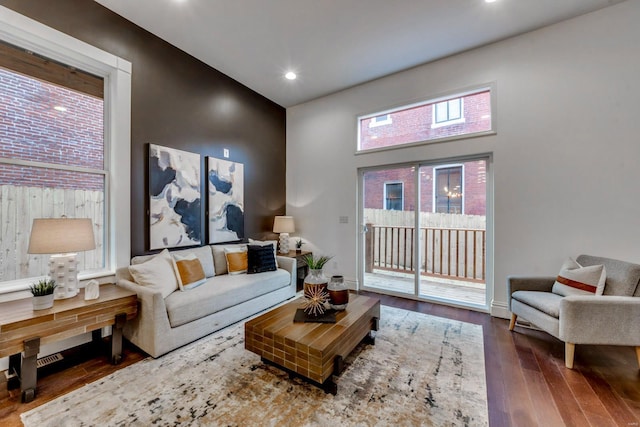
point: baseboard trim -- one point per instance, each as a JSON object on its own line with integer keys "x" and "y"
{"x": 500, "y": 309}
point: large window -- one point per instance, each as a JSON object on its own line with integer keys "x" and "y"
{"x": 455, "y": 116}
{"x": 53, "y": 149}
{"x": 448, "y": 190}
{"x": 64, "y": 146}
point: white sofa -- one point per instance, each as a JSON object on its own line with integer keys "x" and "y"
{"x": 164, "y": 324}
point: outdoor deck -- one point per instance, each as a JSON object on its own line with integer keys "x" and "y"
{"x": 467, "y": 293}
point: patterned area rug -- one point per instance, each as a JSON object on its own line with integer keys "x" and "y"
{"x": 422, "y": 370}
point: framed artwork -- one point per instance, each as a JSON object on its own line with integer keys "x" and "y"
{"x": 175, "y": 198}
{"x": 225, "y": 182}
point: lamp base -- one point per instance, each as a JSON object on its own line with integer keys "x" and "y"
{"x": 63, "y": 269}
{"x": 284, "y": 243}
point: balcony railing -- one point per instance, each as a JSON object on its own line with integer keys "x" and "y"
{"x": 454, "y": 253}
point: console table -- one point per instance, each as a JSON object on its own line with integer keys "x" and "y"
{"x": 23, "y": 330}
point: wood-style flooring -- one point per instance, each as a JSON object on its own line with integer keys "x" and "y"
{"x": 527, "y": 382}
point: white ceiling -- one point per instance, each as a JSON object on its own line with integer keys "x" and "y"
{"x": 335, "y": 44}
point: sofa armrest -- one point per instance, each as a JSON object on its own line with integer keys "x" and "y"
{"x": 608, "y": 320}
{"x": 529, "y": 283}
{"x": 289, "y": 264}
{"x": 151, "y": 323}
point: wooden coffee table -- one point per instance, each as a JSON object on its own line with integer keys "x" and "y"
{"x": 314, "y": 351}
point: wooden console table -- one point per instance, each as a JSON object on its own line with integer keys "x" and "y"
{"x": 23, "y": 330}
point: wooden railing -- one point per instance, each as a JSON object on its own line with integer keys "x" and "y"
{"x": 455, "y": 253}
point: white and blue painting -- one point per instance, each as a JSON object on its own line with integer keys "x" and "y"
{"x": 226, "y": 200}
{"x": 175, "y": 198}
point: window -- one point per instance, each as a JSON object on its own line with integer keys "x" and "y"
{"x": 384, "y": 119}
{"x": 53, "y": 160}
{"x": 448, "y": 112}
{"x": 448, "y": 192}
{"x": 454, "y": 116}
{"x": 394, "y": 196}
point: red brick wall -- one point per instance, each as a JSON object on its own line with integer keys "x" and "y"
{"x": 415, "y": 124}
{"x": 31, "y": 129}
{"x": 474, "y": 190}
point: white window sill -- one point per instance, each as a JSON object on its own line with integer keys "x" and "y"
{"x": 20, "y": 285}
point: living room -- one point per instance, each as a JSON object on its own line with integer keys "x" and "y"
{"x": 561, "y": 172}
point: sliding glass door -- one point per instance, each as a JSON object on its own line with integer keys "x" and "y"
{"x": 424, "y": 231}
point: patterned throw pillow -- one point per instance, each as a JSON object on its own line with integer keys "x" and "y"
{"x": 189, "y": 271}
{"x": 260, "y": 259}
{"x": 575, "y": 279}
{"x": 236, "y": 259}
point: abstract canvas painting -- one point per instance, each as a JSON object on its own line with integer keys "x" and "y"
{"x": 175, "y": 198}
{"x": 226, "y": 200}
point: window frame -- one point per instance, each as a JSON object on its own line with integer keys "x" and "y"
{"x": 386, "y": 183}
{"x": 437, "y": 124}
{"x": 375, "y": 122}
{"x": 435, "y": 186}
{"x": 491, "y": 87}
{"x": 24, "y": 32}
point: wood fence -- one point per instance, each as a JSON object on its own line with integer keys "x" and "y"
{"x": 20, "y": 205}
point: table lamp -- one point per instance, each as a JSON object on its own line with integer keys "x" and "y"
{"x": 63, "y": 238}
{"x": 283, "y": 225}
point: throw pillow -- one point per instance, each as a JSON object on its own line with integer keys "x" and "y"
{"x": 189, "y": 271}
{"x": 260, "y": 259}
{"x": 274, "y": 243}
{"x": 575, "y": 279}
{"x": 236, "y": 260}
{"x": 157, "y": 273}
{"x": 220, "y": 258}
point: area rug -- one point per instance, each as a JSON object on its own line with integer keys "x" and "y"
{"x": 422, "y": 371}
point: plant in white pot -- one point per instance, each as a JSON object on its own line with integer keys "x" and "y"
{"x": 43, "y": 293}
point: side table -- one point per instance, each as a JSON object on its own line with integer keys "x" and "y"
{"x": 302, "y": 267}
{"x": 23, "y": 330}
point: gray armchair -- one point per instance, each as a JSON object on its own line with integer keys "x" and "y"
{"x": 610, "y": 319}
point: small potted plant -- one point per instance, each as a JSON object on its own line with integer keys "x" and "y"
{"x": 299, "y": 244}
{"x": 43, "y": 293}
{"x": 315, "y": 278}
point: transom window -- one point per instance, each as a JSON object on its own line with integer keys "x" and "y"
{"x": 456, "y": 115}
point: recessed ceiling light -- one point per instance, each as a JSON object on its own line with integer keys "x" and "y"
{"x": 490, "y": 1}
{"x": 59, "y": 108}
{"x": 290, "y": 75}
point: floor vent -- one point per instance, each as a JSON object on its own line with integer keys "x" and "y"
{"x": 48, "y": 360}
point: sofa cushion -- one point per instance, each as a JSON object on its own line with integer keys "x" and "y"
{"x": 574, "y": 279}
{"x": 260, "y": 259}
{"x": 546, "y": 302}
{"x": 236, "y": 260}
{"x": 221, "y": 292}
{"x": 157, "y": 273}
{"x": 273, "y": 243}
{"x": 219, "y": 258}
{"x": 189, "y": 271}
{"x": 203, "y": 253}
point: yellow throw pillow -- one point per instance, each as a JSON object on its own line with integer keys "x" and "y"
{"x": 189, "y": 271}
{"x": 237, "y": 261}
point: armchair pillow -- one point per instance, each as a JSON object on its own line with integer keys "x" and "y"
{"x": 575, "y": 279}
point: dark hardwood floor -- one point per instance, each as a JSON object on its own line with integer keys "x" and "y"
{"x": 527, "y": 382}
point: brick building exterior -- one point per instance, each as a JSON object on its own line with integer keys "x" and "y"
{"x": 473, "y": 193}
{"x": 32, "y": 129}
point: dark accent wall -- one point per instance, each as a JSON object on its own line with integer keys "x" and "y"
{"x": 180, "y": 102}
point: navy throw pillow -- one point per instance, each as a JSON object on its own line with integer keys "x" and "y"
{"x": 260, "y": 259}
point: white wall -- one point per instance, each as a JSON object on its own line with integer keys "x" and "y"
{"x": 565, "y": 158}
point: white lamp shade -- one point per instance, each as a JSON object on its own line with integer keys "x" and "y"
{"x": 61, "y": 235}
{"x": 283, "y": 224}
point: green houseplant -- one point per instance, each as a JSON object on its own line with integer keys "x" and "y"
{"x": 43, "y": 293}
